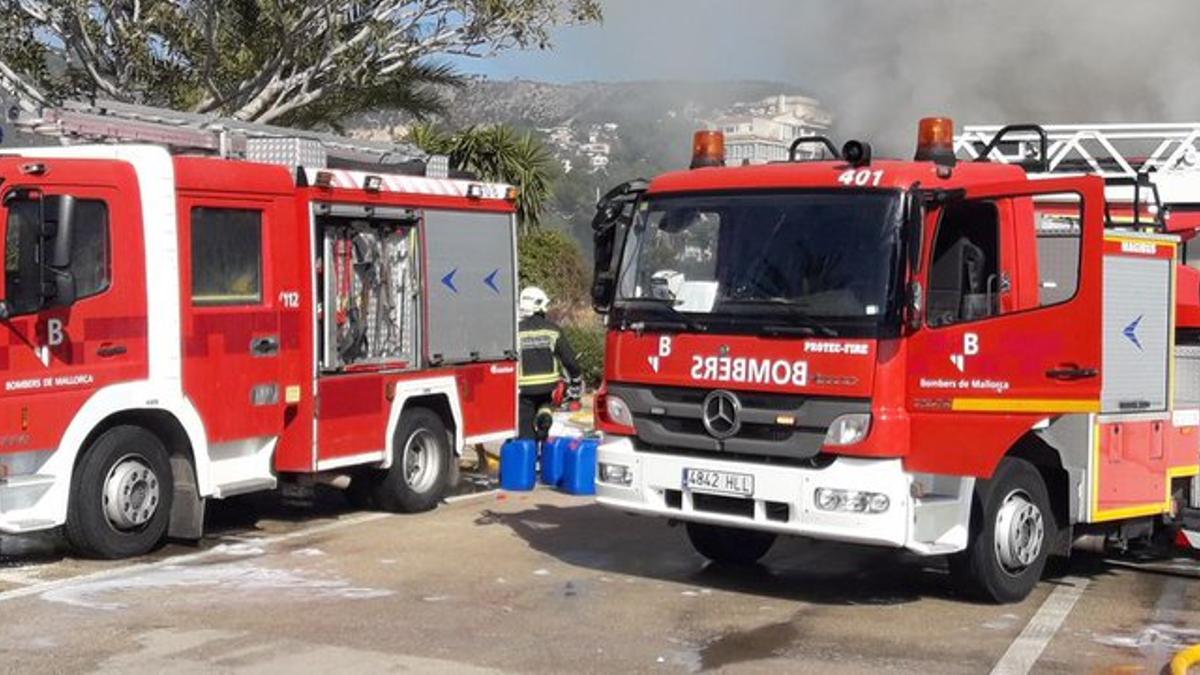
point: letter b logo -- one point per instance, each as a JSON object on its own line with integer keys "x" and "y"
{"x": 970, "y": 344}
{"x": 54, "y": 332}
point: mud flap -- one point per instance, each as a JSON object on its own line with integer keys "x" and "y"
{"x": 187, "y": 506}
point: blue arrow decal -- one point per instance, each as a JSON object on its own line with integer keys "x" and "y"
{"x": 490, "y": 280}
{"x": 1131, "y": 332}
{"x": 448, "y": 280}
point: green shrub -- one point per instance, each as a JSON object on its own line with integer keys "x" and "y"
{"x": 551, "y": 260}
{"x": 587, "y": 339}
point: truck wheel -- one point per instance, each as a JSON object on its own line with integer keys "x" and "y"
{"x": 121, "y": 495}
{"x": 420, "y": 467}
{"x": 1011, "y": 531}
{"x": 729, "y": 545}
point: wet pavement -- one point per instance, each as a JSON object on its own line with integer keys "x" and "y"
{"x": 543, "y": 582}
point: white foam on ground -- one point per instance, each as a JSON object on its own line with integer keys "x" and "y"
{"x": 237, "y": 581}
{"x": 1151, "y": 636}
{"x": 239, "y": 549}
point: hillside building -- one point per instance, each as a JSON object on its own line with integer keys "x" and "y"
{"x": 762, "y": 131}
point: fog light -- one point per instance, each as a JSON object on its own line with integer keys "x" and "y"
{"x": 615, "y": 474}
{"x": 856, "y": 501}
{"x": 851, "y": 501}
{"x": 827, "y": 500}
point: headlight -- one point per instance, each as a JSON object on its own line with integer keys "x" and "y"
{"x": 851, "y": 501}
{"x": 618, "y": 410}
{"x": 848, "y": 429}
{"x": 615, "y": 474}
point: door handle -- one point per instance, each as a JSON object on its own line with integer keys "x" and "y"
{"x": 110, "y": 349}
{"x": 265, "y": 346}
{"x": 1066, "y": 372}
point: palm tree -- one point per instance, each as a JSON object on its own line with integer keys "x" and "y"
{"x": 497, "y": 153}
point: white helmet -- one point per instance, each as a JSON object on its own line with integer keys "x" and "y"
{"x": 533, "y": 301}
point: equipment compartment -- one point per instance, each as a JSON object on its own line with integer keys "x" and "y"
{"x": 370, "y": 289}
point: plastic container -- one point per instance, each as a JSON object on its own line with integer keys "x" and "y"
{"x": 553, "y": 452}
{"x": 518, "y": 465}
{"x": 579, "y": 467}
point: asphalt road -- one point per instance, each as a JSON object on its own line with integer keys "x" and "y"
{"x": 542, "y": 582}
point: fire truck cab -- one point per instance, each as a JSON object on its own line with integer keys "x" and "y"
{"x": 979, "y": 359}
{"x": 176, "y": 328}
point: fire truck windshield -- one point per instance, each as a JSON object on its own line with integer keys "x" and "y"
{"x": 826, "y": 261}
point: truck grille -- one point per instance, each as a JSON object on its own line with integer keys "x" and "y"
{"x": 669, "y": 420}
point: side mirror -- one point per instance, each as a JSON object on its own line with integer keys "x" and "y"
{"x": 915, "y": 305}
{"x": 603, "y": 290}
{"x": 59, "y": 289}
{"x": 58, "y": 233}
{"x": 614, "y": 213}
{"x": 37, "y": 255}
{"x": 914, "y": 228}
{"x": 58, "y": 226}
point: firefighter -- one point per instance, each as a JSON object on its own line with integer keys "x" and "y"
{"x": 546, "y": 360}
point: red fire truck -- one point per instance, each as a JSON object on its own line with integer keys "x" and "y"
{"x": 984, "y": 360}
{"x": 180, "y": 327}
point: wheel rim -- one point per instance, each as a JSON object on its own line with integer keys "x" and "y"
{"x": 421, "y": 460}
{"x": 1020, "y": 532}
{"x": 131, "y": 495}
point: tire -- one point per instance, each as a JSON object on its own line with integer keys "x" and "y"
{"x": 420, "y": 471}
{"x": 1013, "y": 503}
{"x": 729, "y": 545}
{"x": 121, "y": 494}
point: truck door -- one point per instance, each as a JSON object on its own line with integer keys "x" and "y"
{"x": 241, "y": 337}
{"x": 995, "y": 353}
{"x": 53, "y": 359}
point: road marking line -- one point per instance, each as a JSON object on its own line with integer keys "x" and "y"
{"x": 37, "y": 589}
{"x": 1024, "y": 652}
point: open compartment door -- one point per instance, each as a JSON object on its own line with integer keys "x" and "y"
{"x": 470, "y": 313}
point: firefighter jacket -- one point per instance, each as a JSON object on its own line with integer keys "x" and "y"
{"x": 546, "y": 356}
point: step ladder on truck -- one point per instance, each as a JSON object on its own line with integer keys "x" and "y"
{"x": 196, "y": 308}
{"x": 984, "y": 352}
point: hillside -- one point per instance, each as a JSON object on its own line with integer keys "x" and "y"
{"x": 644, "y": 128}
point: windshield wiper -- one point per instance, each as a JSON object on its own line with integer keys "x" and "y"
{"x": 807, "y": 324}
{"x": 681, "y": 320}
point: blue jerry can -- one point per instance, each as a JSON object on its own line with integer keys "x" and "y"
{"x": 553, "y": 452}
{"x": 518, "y": 464}
{"x": 579, "y": 467}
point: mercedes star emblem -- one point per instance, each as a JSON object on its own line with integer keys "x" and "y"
{"x": 721, "y": 414}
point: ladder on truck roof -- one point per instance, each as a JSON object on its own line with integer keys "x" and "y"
{"x": 1110, "y": 150}
{"x": 1138, "y": 161}
{"x": 112, "y": 121}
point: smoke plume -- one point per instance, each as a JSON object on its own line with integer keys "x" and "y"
{"x": 879, "y": 65}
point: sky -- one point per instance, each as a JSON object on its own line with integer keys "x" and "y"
{"x": 880, "y": 65}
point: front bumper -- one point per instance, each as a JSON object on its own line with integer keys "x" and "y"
{"x": 784, "y": 499}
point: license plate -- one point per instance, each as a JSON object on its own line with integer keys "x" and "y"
{"x": 720, "y": 482}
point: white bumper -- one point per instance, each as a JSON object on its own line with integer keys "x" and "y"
{"x": 932, "y": 525}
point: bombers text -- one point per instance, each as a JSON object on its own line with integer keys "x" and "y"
{"x": 745, "y": 370}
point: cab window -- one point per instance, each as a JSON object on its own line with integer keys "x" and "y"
{"x": 226, "y": 256}
{"x": 964, "y": 276}
{"x": 91, "y": 250}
